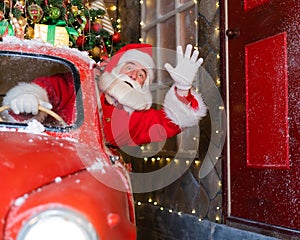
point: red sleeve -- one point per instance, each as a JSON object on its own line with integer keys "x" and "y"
{"x": 61, "y": 94}
{"x": 151, "y": 126}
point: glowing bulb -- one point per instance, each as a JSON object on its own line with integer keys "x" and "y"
{"x": 113, "y": 8}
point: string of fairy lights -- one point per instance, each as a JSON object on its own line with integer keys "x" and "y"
{"x": 160, "y": 161}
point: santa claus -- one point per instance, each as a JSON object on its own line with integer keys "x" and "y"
{"x": 126, "y": 100}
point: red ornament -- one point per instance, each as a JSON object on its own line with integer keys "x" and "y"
{"x": 87, "y": 26}
{"x": 116, "y": 37}
{"x": 80, "y": 41}
{"x": 96, "y": 27}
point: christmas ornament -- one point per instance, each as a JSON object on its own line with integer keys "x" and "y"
{"x": 29, "y": 32}
{"x": 99, "y": 4}
{"x": 80, "y": 41}
{"x": 116, "y": 38}
{"x": 35, "y": 12}
{"x": 83, "y": 22}
{"x": 20, "y": 5}
{"x": 87, "y": 26}
{"x": 96, "y": 52}
{"x": 96, "y": 26}
{"x": 75, "y": 11}
{"x": 54, "y": 13}
{"x": 19, "y": 26}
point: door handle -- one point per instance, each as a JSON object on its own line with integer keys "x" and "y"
{"x": 233, "y": 33}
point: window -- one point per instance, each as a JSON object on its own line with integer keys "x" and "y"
{"x": 166, "y": 24}
{"x": 25, "y": 69}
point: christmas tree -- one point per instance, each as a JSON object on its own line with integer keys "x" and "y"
{"x": 87, "y": 25}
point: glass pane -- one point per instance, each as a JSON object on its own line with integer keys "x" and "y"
{"x": 166, "y": 6}
{"x": 168, "y": 33}
{"x": 149, "y": 11}
{"x": 188, "y": 27}
{"x": 52, "y": 75}
{"x": 150, "y": 36}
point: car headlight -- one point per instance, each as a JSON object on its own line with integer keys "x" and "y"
{"x": 58, "y": 224}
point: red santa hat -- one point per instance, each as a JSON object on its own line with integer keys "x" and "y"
{"x": 140, "y": 52}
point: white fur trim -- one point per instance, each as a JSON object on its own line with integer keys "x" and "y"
{"x": 20, "y": 89}
{"x": 182, "y": 114}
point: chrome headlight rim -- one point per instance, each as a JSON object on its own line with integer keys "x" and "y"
{"x": 67, "y": 214}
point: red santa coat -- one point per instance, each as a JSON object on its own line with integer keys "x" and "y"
{"x": 139, "y": 127}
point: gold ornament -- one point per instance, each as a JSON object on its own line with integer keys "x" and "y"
{"x": 96, "y": 52}
{"x": 29, "y": 33}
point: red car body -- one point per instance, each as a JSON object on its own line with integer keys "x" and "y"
{"x": 62, "y": 172}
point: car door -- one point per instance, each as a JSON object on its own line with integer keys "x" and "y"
{"x": 263, "y": 69}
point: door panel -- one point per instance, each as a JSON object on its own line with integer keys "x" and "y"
{"x": 264, "y": 111}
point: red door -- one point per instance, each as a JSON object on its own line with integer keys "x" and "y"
{"x": 263, "y": 38}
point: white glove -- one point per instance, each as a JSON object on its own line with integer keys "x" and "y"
{"x": 27, "y": 103}
{"x": 187, "y": 66}
{"x": 26, "y": 97}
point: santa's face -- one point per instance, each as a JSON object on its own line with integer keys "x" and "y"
{"x": 135, "y": 71}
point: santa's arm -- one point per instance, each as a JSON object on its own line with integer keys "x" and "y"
{"x": 184, "y": 113}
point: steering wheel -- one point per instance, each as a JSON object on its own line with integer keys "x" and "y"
{"x": 43, "y": 109}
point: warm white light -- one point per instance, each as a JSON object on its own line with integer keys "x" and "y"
{"x": 197, "y": 162}
{"x": 139, "y": 203}
{"x": 113, "y": 8}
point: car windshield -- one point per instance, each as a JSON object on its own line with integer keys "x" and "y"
{"x": 25, "y": 76}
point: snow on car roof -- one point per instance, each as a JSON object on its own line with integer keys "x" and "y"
{"x": 34, "y": 43}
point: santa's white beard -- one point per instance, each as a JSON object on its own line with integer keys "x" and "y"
{"x": 146, "y": 94}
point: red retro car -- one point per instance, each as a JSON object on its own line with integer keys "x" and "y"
{"x": 58, "y": 179}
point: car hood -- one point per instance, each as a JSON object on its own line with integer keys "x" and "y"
{"x": 29, "y": 161}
